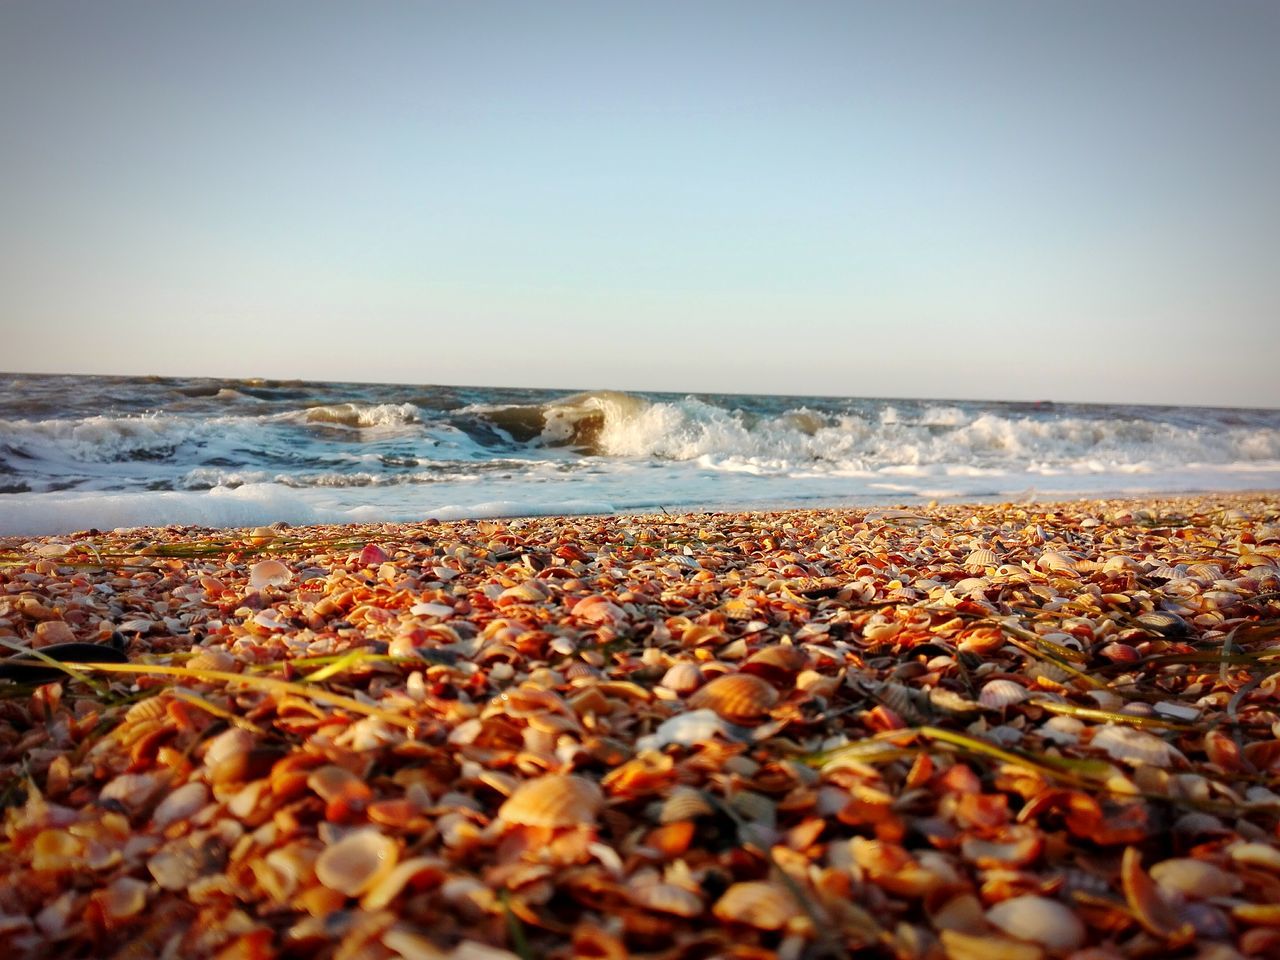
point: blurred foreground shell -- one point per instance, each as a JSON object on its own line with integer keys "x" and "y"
{"x": 737, "y": 697}
{"x": 757, "y": 904}
{"x": 553, "y": 800}
{"x": 1040, "y": 920}
{"x": 357, "y": 861}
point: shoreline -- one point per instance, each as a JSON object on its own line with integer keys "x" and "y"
{"x": 946, "y": 729}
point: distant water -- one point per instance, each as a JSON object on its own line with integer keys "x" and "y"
{"x": 79, "y": 452}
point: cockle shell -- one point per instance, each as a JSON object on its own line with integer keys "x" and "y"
{"x": 553, "y": 800}
{"x": 269, "y": 573}
{"x": 683, "y": 677}
{"x": 684, "y": 803}
{"x": 998, "y": 694}
{"x": 737, "y": 697}
{"x": 598, "y": 610}
{"x": 1040, "y": 920}
{"x": 1164, "y": 623}
{"x": 357, "y": 861}
{"x": 982, "y": 558}
{"x": 758, "y": 904}
{"x": 778, "y": 659}
{"x": 1134, "y": 746}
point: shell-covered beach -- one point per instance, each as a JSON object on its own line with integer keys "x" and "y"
{"x": 966, "y": 731}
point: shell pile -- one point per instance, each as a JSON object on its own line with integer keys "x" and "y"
{"x": 962, "y": 731}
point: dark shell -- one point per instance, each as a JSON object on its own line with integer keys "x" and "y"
{"x": 1164, "y": 623}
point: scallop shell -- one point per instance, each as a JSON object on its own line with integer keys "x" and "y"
{"x": 949, "y": 701}
{"x": 683, "y": 677}
{"x": 553, "y": 800}
{"x": 668, "y": 898}
{"x": 357, "y": 862}
{"x": 757, "y": 904}
{"x": 998, "y": 694}
{"x": 1040, "y": 920}
{"x": 737, "y": 697}
{"x": 269, "y": 573}
{"x": 1134, "y": 746}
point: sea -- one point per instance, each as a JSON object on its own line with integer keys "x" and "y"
{"x": 79, "y": 452}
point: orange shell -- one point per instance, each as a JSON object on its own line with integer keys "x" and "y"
{"x": 758, "y": 904}
{"x": 736, "y": 697}
{"x": 553, "y": 800}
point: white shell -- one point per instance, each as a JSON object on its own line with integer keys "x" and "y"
{"x": 1195, "y": 879}
{"x": 686, "y": 729}
{"x": 269, "y": 573}
{"x": 181, "y": 804}
{"x": 1134, "y": 746}
{"x": 357, "y": 861}
{"x": 1040, "y": 920}
{"x": 998, "y": 694}
{"x": 683, "y": 677}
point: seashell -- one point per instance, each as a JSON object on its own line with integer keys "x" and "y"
{"x": 1256, "y": 855}
{"x": 390, "y": 884}
{"x": 998, "y": 694}
{"x": 1056, "y": 562}
{"x": 598, "y": 610}
{"x": 951, "y": 702}
{"x": 269, "y": 619}
{"x": 553, "y": 800}
{"x": 982, "y": 558}
{"x": 1148, "y": 906}
{"x": 227, "y": 745}
{"x": 684, "y": 803}
{"x": 431, "y": 610}
{"x": 1208, "y": 572}
{"x": 959, "y": 945}
{"x": 757, "y": 904}
{"x": 1015, "y": 847}
{"x": 212, "y": 659}
{"x": 776, "y": 659}
{"x": 686, "y": 730}
{"x": 269, "y": 573}
{"x": 1178, "y": 711}
{"x": 1134, "y": 746}
{"x": 1120, "y": 653}
{"x": 373, "y": 555}
{"x": 1121, "y": 564}
{"x": 1039, "y": 920}
{"x": 124, "y": 897}
{"x": 1164, "y": 623}
{"x": 1062, "y": 730}
{"x": 181, "y": 804}
{"x": 737, "y": 697}
{"x": 683, "y": 677}
{"x": 530, "y": 591}
{"x": 668, "y": 898}
{"x": 1195, "y": 879}
{"x": 134, "y": 790}
{"x": 357, "y": 862}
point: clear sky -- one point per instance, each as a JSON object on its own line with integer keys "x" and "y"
{"x": 1016, "y": 200}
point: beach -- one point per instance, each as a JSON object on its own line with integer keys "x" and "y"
{"x": 965, "y": 730}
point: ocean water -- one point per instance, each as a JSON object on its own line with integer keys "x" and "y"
{"x": 80, "y": 452}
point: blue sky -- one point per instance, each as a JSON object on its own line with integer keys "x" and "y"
{"x": 1073, "y": 201}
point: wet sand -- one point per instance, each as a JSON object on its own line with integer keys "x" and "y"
{"x": 964, "y": 731}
